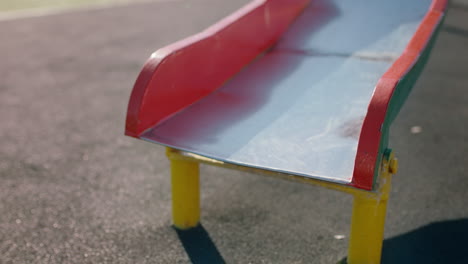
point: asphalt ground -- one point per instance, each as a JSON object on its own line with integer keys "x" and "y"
{"x": 17, "y": 5}
{"x": 73, "y": 189}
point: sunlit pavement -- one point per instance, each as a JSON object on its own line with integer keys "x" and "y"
{"x": 73, "y": 189}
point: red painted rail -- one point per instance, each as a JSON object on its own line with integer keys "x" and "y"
{"x": 186, "y": 71}
{"x": 371, "y": 134}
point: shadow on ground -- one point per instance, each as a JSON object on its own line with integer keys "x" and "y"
{"x": 199, "y": 246}
{"x": 440, "y": 242}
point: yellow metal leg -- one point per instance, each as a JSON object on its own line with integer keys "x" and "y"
{"x": 367, "y": 230}
{"x": 368, "y": 220}
{"x": 185, "y": 191}
{"x": 369, "y": 209}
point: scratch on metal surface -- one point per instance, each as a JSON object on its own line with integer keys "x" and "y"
{"x": 330, "y": 124}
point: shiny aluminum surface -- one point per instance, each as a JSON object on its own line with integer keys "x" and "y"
{"x": 299, "y": 108}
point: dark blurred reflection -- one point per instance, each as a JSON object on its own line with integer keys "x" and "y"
{"x": 456, "y": 30}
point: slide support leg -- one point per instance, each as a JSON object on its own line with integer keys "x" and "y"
{"x": 368, "y": 219}
{"x": 185, "y": 182}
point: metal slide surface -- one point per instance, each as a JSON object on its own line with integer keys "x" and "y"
{"x": 299, "y": 109}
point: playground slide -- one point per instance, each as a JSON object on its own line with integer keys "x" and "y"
{"x": 298, "y": 87}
